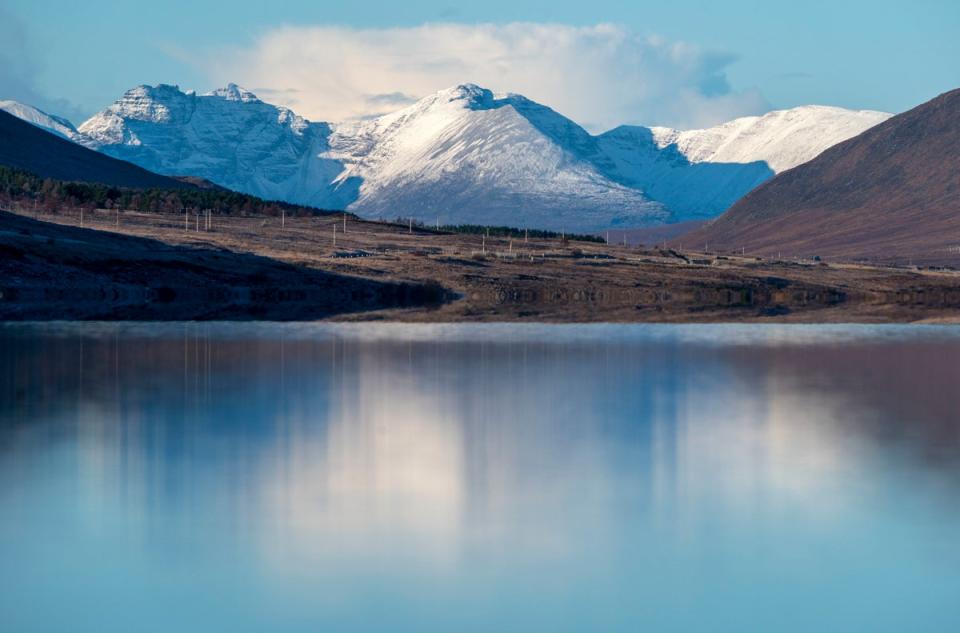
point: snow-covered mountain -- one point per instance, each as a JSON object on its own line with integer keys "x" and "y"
{"x": 698, "y": 174}
{"x": 228, "y": 136}
{"x": 465, "y": 155}
{"x": 49, "y": 122}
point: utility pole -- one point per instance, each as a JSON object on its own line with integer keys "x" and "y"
{"x": 410, "y": 226}
{"x": 344, "y": 223}
{"x": 283, "y": 218}
{"x": 334, "y": 234}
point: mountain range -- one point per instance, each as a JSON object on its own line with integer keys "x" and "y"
{"x": 462, "y": 155}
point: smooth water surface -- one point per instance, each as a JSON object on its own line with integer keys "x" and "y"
{"x": 259, "y": 477}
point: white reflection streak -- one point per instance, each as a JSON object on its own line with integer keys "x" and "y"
{"x": 737, "y": 450}
{"x": 387, "y": 472}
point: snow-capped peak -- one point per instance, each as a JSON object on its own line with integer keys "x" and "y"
{"x": 470, "y": 155}
{"x": 233, "y": 92}
{"x": 162, "y": 103}
{"x": 472, "y": 96}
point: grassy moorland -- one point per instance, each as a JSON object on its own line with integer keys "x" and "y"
{"x": 323, "y": 266}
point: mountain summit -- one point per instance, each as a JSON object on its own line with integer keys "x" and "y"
{"x": 233, "y": 92}
{"x": 464, "y": 155}
{"x": 468, "y": 155}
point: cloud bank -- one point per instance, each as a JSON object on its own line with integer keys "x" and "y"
{"x": 600, "y": 76}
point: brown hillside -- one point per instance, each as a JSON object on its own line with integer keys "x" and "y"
{"x": 891, "y": 194}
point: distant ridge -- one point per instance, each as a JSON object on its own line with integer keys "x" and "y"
{"x": 891, "y": 194}
{"x": 49, "y": 122}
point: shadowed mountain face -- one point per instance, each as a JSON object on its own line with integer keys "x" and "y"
{"x": 28, "y": 147}
{"x": 693, "y": 191}
{"x": 889, "y": 194}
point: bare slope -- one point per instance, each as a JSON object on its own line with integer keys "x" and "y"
{"x": 51, "y": 271}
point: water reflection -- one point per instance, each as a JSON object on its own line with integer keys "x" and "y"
{"x": 422, "y": 479}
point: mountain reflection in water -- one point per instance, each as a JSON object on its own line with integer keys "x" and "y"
{"x": 354, "y": 477}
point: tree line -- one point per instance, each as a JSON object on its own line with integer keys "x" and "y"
{"x": 509, "y": 231}
{"x": 50, "y": 195}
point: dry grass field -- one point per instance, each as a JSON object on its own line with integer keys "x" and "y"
{"x": 504, "y": 279}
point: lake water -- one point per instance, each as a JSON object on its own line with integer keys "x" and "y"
{"x": 261, "y": 477}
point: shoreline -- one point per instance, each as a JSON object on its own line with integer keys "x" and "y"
{"x": 125, "y": 267}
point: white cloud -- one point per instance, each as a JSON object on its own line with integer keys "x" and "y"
{"x": 600, "y": 76}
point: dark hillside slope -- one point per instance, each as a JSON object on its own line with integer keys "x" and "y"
{"x": 51, "y": 271}
{"x": 25, "y": 146}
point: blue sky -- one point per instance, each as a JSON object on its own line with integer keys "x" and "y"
{"x": 76, "y": 57}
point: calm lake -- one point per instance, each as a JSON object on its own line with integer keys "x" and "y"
{"x": 325, "y": 477}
